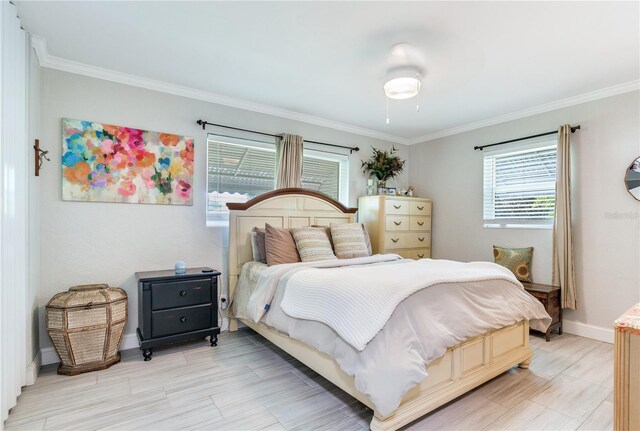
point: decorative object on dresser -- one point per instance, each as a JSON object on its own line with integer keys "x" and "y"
{"x": 86, "y": 325}
{"x": 626, "y": 392}
{"x": 383, "y": 165}
{"x": 174, "y": 308}
{"x": 400, "y": 225}
{"x": 549, "y": 296}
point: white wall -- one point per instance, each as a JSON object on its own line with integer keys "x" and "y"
{"x": 85, "y": 242}
{"x": 606, "y": 217}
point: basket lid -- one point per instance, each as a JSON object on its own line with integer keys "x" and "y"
{"x": 87, "y": 294}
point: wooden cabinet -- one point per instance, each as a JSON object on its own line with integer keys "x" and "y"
{"x": 549, "y": 296}
{"x": 174, "y": 308}
{"x": 400, "y": 225}
{"x": 626, "y": 392}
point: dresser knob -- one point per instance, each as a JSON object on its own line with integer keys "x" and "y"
{"x": 421, "y": 256}
{"x": 397, "y": 223}
{"x": 183, "y": 293}
{"x": 397, "y": 206}
{"x": 183, "y": 319}
{"x": 395, "y": 239}
{"x": 420, "y": 208}
{"x": 421, "y": 239}
{"x": 420, "y": 223}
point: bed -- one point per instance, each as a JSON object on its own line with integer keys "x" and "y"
{"x": 459, "y": 369}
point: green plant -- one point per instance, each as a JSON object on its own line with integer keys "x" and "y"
{"x": 383, "y": 164}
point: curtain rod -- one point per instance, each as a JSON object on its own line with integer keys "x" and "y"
{"x": 206, "y": 123}
{"x": 481, "y": 147}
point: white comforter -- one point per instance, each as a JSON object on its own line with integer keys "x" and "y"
{"x": 420, "y": 329}
{"x": 357, "y": 303}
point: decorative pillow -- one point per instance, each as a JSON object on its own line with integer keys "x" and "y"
{"x": 327, "y": 229}
{"x": 312, "y": 243}
{"x": 366, "y": 237}
{"x": 279, "y": 246}
{"x": 518, "y": 260}
{"x": 349, "y": 240}
{"x": 259, "y": 234}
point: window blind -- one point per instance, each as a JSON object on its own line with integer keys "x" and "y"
{"x": 239, "y": 170}
{"x": 519, "y": 186}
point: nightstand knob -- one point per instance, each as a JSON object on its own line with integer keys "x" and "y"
{"x": 397, "y": 223}
{"x": 420, "y": 223}
{"x": 420, "y": 208}
{"x": 397, "y": 206}
{"x": 421, "y": 256}
{"x": 395, "y": 239}
{"x": 421, "y": 239}
{"x": 183, "y": 293}
{"x": 183, "y": 319}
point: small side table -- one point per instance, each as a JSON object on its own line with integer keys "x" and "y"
{"x": 174, "y": 308}
{"x": 549, "y": 296}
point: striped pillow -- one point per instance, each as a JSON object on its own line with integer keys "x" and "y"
{"x": 312, "y": 243}
{"x": 349, "y": 240}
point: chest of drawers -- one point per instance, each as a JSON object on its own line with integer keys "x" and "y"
{"x": 174, "y": 308}
{"x": 400, "y": 225}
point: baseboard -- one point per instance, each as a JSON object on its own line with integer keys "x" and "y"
{"x": 34, "y": 369}
{"x": 49, "y": 355}
{"x": 588, "y": 331}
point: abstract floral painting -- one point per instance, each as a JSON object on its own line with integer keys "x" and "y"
{"x": 106, "y": 163}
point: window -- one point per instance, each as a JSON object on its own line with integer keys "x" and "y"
{"x": 241, "y": 169}
{"x": 520, "y": 186}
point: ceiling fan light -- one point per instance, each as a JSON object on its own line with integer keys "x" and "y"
{"x": 402, "y": 88}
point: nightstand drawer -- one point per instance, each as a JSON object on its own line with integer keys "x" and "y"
{"x": 180, "y": 293}
{"x": 179, "y": 320}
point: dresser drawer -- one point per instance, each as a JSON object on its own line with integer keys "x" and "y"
{"x": 407, "y": 240}
{"x": 420, "y": 208}
{"x": 396, "y": 223}
{"x": 420, "y": 223}
{"x": 418, "y": 239}
{"x": 414, "y": 253}
{"x": 179, "y": 320}
{"x": 396, "y": 206}
{"x": 180, "y": 293}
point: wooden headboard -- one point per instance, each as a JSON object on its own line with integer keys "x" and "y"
{"x": 285, "y": 208}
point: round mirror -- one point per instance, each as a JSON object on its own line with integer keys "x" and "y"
{"x": 632, "y": 178}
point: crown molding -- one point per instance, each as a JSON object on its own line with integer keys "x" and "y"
{"x": 614, "y": 90}
{"x": 47, "y": 60}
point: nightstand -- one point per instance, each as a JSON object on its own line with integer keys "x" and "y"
{"x": 549, "y": 296}
{"x": 174, "y": 308}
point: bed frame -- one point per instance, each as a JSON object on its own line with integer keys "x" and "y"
{"x": 462, "y": 368}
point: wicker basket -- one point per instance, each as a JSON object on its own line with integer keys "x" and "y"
{"x": 86, "y": 325}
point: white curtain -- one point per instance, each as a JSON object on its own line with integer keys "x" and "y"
{"x": 289, "y": 150}
{"x": 563, "y": 268}
{"x": 14, "y": 178}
